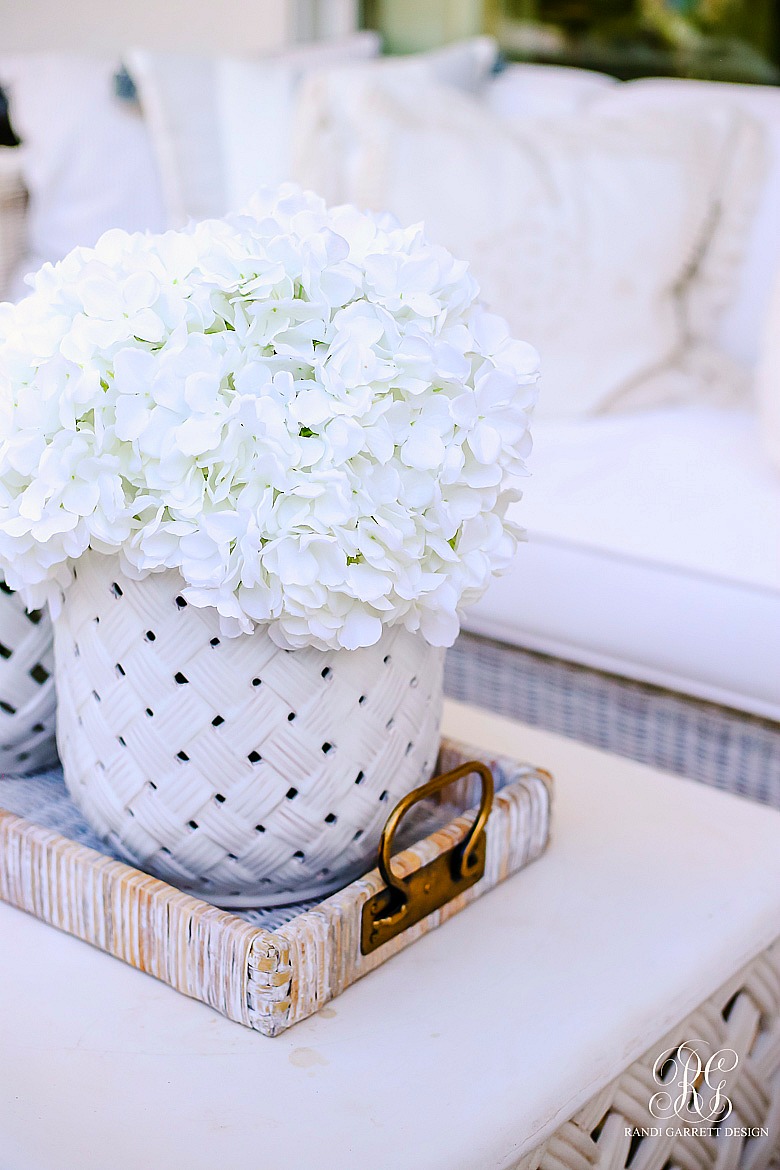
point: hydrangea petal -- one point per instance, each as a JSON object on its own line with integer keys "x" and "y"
{"x": 306, "y": 412}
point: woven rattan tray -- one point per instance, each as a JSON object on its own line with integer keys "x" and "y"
{"x": 264, "y": 969}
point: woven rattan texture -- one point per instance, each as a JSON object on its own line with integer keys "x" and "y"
{"x": 297, "y": 968}
{"x": 736, "y": 752}
{"x": 27, "y": 698}
{"x": 264, "y": 977}
{"x": 744, "y": 1016}
{"x": 44, "y": 800}
{"x": 227, "y": 765}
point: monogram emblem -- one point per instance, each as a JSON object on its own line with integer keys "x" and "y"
{"x": 693, "y": 1083}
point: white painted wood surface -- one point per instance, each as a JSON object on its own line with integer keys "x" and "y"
{"x": 460, "y": 1054}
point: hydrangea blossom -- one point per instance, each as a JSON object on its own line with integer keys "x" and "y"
{"x": 307, "y": 412}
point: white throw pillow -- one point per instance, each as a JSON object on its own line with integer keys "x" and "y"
{"x": 256, "y": 103}
{"x": 221, "y": 126}
{"x": 767, "y": 384}
{"x": 177, "y": 93}
{"x": 256, "y": 149}
{"x": 586, "y": 231}
{"x": 524, "y": 91}
{"x": 87, "y": 160}
{"x": 756, "y": 249}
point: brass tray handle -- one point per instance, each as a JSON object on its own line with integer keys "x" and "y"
{"x": 406, "y": 901}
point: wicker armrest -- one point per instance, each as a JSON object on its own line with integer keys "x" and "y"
{"x": 13, "y": 215}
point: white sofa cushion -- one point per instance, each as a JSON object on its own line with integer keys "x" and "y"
{"x": 654, "y": 552}
{"x": 589, "y": 232}
{"x": 87, "y": 160}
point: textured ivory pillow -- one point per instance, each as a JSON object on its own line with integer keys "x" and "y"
{"x": 533, "y": 91}
{"x": 586, "y": 231}
{"x": 757, "y": 248}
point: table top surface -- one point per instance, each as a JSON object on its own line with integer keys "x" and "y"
{"x": 463, "y": 1051}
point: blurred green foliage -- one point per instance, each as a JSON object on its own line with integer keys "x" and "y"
{"x": 726, "y": 40}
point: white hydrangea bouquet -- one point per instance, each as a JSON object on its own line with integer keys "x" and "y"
{"x": 301, "y": 422}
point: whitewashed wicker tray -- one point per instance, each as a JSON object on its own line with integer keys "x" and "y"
{"x": 265, "y": 969}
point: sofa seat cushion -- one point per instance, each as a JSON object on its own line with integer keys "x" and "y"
{"x": 654, "y": 553}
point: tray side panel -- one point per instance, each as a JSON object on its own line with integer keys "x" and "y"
{"x": 197, "y": 949}
{"x": 316, "y": 956}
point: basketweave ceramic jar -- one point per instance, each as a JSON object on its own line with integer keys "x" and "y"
{"x": 27, "y": 695}
{"x": 248, "y": 774}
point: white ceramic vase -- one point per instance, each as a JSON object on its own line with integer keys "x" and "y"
{"x": 238, "y": 771}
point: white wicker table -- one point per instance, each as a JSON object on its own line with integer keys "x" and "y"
{"x": 469, "y": 1051}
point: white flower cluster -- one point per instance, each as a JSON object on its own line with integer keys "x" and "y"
{"x": 305, "y": 411}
